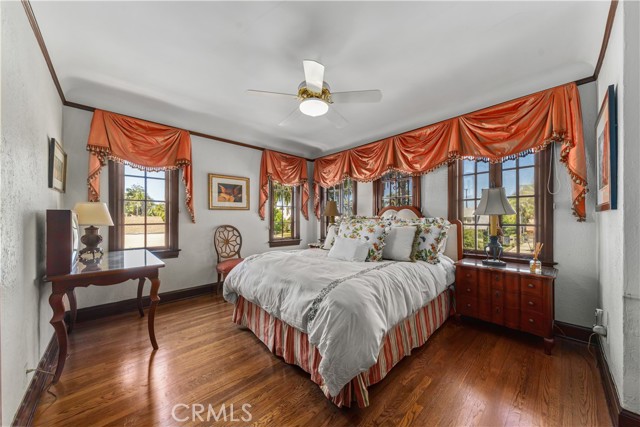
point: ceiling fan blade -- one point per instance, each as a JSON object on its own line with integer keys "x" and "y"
{"x": 356, "y": 96}
{"x": 314, "y": 75}
{"x": 272, "y": 94}
{"x": 336, "y": 118}
{"x": 295, "y": 115}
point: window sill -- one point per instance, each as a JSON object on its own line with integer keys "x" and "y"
{"x": 284, "y": 242}
{"x": 524, "y": 259}
{"x": 166, "y": 253}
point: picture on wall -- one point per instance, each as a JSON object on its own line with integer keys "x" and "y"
{"x": 607, "y": 153}
{"x": 228, "y": 192}
{"x": 57, "y": 166}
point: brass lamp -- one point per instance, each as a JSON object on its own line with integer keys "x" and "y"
{"x": 331, "y": 211}
{"x": 493, "y": 203}
{"x": 93, "y": 214}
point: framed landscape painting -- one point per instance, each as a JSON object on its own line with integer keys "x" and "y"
{"x": 228, "y": 192}
{"x": 57, "y": 166}
{"x": 607, "y": 153}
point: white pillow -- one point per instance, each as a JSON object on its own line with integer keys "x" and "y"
{"x": 399, "y": 243}
{"x": 349, "y": 249}
{"x": 332, "y": 232}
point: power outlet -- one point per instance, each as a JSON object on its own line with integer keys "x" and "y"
{"x": 598, "y": 327}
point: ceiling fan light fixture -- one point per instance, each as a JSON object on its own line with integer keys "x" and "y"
{"x": 314, "y": 107}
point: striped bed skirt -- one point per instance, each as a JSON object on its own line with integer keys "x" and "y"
{"x": 293, "y": 345}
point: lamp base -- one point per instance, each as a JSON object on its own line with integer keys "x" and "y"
{"x": 91, "y": 239}
{"x": 494, "y": 262}
{"x": 493, "y": 251}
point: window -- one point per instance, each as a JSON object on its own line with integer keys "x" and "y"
{"x": 345, "y": 195}
{"x": 396, "y": 189}
{"x": 525, "y": 183}
{"x": 285, "y": 215}
{"x": 144, "y": 208}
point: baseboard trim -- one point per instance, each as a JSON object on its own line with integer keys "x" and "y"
{"x": 620, "y": 417}
{"x": 104, "y": 310}
{"x": 26, "y": 411}
{"x": 573, "y": 332}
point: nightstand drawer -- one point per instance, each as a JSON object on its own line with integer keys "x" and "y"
{"x": 533, "y": 323}
{"x": 467, "y": 289}
{"x": 466, "y": 306}
{"x": 466, "y": 276}
{"x": 511, "y": 300}
{"x": 512, "y": 318}
{"x": 531, "y": 286}
{"x": 497, "y": 281}
{"x": 531, "y": 303}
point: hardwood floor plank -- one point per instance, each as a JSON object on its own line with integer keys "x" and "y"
{"x": 466, "y": 374}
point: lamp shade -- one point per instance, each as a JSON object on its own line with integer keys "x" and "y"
{"x": 93, "y": 213}
{"x": 331, "y": 209}
{"x": 494, "y": 202}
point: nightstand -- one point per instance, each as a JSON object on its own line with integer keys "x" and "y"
{"x": 511, "y": 296}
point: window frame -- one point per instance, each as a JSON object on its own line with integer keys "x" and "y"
{"x": 543, "y": 201}
{"x": 275, "y": 242}
{"x": 116, "y": 208}
{"x": 324, "y": 221}
{"x": 378, "y": 190}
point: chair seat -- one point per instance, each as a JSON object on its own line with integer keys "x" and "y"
{"x": 224, "y": 267}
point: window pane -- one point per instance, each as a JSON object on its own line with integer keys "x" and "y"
{"x": 133, "y": 236}
{"x": 526, "y": 183}
{"x": 509, "y": 242}
{"x": 483, "y": 182}
{"x": 469, "y": 238}
{"x": 468, "y": 187}
{"x": 156, "y": 212}
{"x": 482, "y": 166}
{"x": 130, "y": 170}
{"x": 528, "y": 160}
{"x": 511, "y": 219}
{"x": 155, "y": 189}
{"x": 134, "y": 212}
{"x": 157, "y": 174}
{"x": 134, "y": 188}
{"x": 527, "y": 210}
{"x": 508, "y": 164}
{"x": 156, "y": 235}
{"x": 509, "y": 182}
{"x": 469, "y": 206}
{"x": 483, "y": 237}
{"x": 468, "y": 166}
{"x": 527, "y": 239}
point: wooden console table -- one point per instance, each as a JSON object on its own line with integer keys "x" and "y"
{"x": 113, "y": 268}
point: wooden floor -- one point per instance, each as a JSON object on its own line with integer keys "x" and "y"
{"x": 466, "y": 374}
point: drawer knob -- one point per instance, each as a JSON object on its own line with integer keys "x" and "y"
{"x": 530, "y": 320}
{"x": 497, "y": 294}
{"x": 468, "y": 274}
{"x": 530, "y": 303}
{"x": 530, "y": 285}
{"x": 497, "y": 278}
{"x": 469, "y": 305}
{"x": 498, "y": 310}
{"x": 468, "y": 289}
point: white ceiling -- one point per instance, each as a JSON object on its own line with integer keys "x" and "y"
{"x": 188, "y": 64}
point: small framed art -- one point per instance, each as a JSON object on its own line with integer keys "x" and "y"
{"x": 607, "y": 153}
{"x": 57, "y": 166}
{"x": 228, "y": 192}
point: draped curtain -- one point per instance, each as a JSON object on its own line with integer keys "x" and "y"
{"x": 146, "y": 145}
{"x": 524, "y": 125}
{"x": 287, "y": 170}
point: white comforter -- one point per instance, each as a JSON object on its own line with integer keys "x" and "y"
{"x": 352, "y": 305}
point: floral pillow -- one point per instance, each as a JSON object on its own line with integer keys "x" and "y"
{"x": 372, "y": 231}
{"x": 431, "y": 239}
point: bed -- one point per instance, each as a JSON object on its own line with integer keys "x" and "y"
{"x": 345, "y": 323}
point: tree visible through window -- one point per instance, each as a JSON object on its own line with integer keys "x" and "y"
{"x": 396, "y": 189}
{"x": 285, "y": 214}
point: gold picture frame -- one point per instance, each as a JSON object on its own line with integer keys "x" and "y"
{"x": 57, "y": 166}
{"x": 228, "y": 192}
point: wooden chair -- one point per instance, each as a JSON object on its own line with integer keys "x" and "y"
{"x": 228, "y": 241}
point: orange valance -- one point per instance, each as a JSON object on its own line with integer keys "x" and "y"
{"x": 494, "y": 134}
{"x": 285, "y": 169}
{"x": 146, "y": 145}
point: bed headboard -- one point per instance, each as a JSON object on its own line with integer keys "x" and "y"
{"x": 454, "y": 236}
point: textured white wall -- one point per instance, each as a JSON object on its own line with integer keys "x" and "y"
{"x": 31, "y": 114}
{"x": 196, "y": 264}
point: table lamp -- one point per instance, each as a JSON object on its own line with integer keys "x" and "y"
{"x": 331, "y": 211}
{"x": 493, "y": 203}
{"x": 93, "y": 214}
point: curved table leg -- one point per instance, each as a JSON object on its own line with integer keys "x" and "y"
{"x": 73, "y": 305}
{"x": 140, "y": 289}
{"x": 57, "y": 321}
{"x": 155, "y": 285}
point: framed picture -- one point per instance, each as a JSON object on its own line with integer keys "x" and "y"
{"x": 228, "y": 192}
{"x": 57, "y": 166}
{"x": 607, "y": 155}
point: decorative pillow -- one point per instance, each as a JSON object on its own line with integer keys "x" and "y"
{"x": 398, "y": 244}
{"x": 349, "y": 249}
{"x": 331, "y": 236}
{"x": 431, "y": 239}
{"x": 372, "y": 231}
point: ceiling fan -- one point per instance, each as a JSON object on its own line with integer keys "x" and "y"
{"x": 315, "y": 97}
